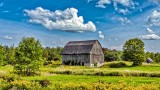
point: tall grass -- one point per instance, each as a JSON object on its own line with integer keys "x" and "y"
{"x": 99, "y": 85}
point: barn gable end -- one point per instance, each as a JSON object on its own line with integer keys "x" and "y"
{"x": 82, "y": 53}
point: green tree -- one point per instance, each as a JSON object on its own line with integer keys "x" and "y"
{"x": 157, "y": 57}
{"x": 133, "y": 50}
{"x": 112, "y": 55}
{"x": 1, "y": 55}
{"x": 9, "y": 55}
{"x": 28, "y": 56}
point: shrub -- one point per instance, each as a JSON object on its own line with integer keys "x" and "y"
{"x": 2, "y": 74}
{"x": 47, "y": 63}
{"x": 11, "y": 78}
{"x": 44, "y": 83}
{"x": 115, "y": 65}
{"x": 20, "y": 85}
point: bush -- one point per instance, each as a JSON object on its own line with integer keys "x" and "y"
{"x": 44, "y": 83}
{"x": 10, "y": 78}
{"x": 20, "y": 85}
{"x": 47, "y": 63}
{"x": 2, "y": 74}
{"x": 115, "y": 65}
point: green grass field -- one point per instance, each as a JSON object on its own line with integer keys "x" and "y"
{"x": 135, "y": 76}
{"x": 84, "y": 73}
{"x": 84, "y": 78}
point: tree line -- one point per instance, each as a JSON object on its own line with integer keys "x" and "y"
{"x": 133, "y": 50}
{"x": 29, "y": 55}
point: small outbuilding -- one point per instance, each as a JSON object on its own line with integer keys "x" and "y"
{"x": 149, "y": 60}
{"x": 83, "y": 53}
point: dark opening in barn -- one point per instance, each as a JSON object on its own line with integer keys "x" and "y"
{"x": 83, "y": 53}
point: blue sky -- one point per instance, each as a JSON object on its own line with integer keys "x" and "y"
{"x": 55, "y": 22}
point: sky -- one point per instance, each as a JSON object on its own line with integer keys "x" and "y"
{"x": 55, "y": 22}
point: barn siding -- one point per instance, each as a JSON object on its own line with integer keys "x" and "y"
{"x": 97, "y": 55}
{"x": 85, "y": 59}
{"x": 87, "y": 52}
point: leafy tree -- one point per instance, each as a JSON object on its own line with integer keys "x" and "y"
{"x": 157, "y": 57}
{"x": 133, "y": 50}
{"x": 28, "y": 56}
{"x": 112, "y": 55}
{"x": 1, "y": 55}
{"x": 9, "y": 55}
{"x": 52, "y": 54}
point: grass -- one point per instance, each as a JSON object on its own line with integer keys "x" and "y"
{"x": 84, "y": 78}
{"x": 7, "y": 68}
{"x": 52, "y": 73}
{"x": 145, "y": 67}
{"x": 146, "y": 70}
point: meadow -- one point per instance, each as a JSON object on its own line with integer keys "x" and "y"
{"x": 63, "y": 76}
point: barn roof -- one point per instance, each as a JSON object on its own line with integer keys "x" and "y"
{"x": 79, "y": 47}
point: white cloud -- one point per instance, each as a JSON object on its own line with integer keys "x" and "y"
{"x": 101, "y": 3}
{"x": 126, "y": 5}
{"x": 150, "y": 31}
{"x": 117, "y": 47}
{"x": 101, "y": 35}
{"x": 7, "y": 37}
{"x": 155, "y": 1}
{"x": 120, "y": 10}
{"x": 123, "y": 11}
{"x": 154, "y": 18}
{"x": 150, "y": 36}
{"x": 67, "y": 20}
{"x": 123, "y": 20}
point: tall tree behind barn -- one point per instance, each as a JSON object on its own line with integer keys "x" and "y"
{"x": 83, "y": 53}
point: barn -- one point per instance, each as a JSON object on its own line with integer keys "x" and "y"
{"x": 83, "y": 53}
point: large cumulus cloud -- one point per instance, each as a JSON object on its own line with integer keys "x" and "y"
{"x": 67, "y": 20}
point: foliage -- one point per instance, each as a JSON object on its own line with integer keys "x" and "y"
{"x": 44, "y": 83}
{"x": 112, "y": 55}
{"x": 28, "y": 56}
{"x": 116, "y": 65}
{"x": 133, "y": 50}
{"x": 154, "y": 56}
{"x": 10, "y": 78}
{"x": 99, "y": 85}
{"x": 102, "y": 85}
{"x": 9, "y": 55}
{"x": 20, "y": 85}
{"x": 52, "y": 54}
{"x": 2, "y": 56}
{"x": 157, "y": 57}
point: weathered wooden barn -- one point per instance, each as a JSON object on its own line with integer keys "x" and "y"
{"x": 83, "y": 53}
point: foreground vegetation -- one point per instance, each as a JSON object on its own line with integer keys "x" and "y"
{"x": 56, "y": 76}
{"x": 29, "y": 66}
{"x": 100, "y": 85}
